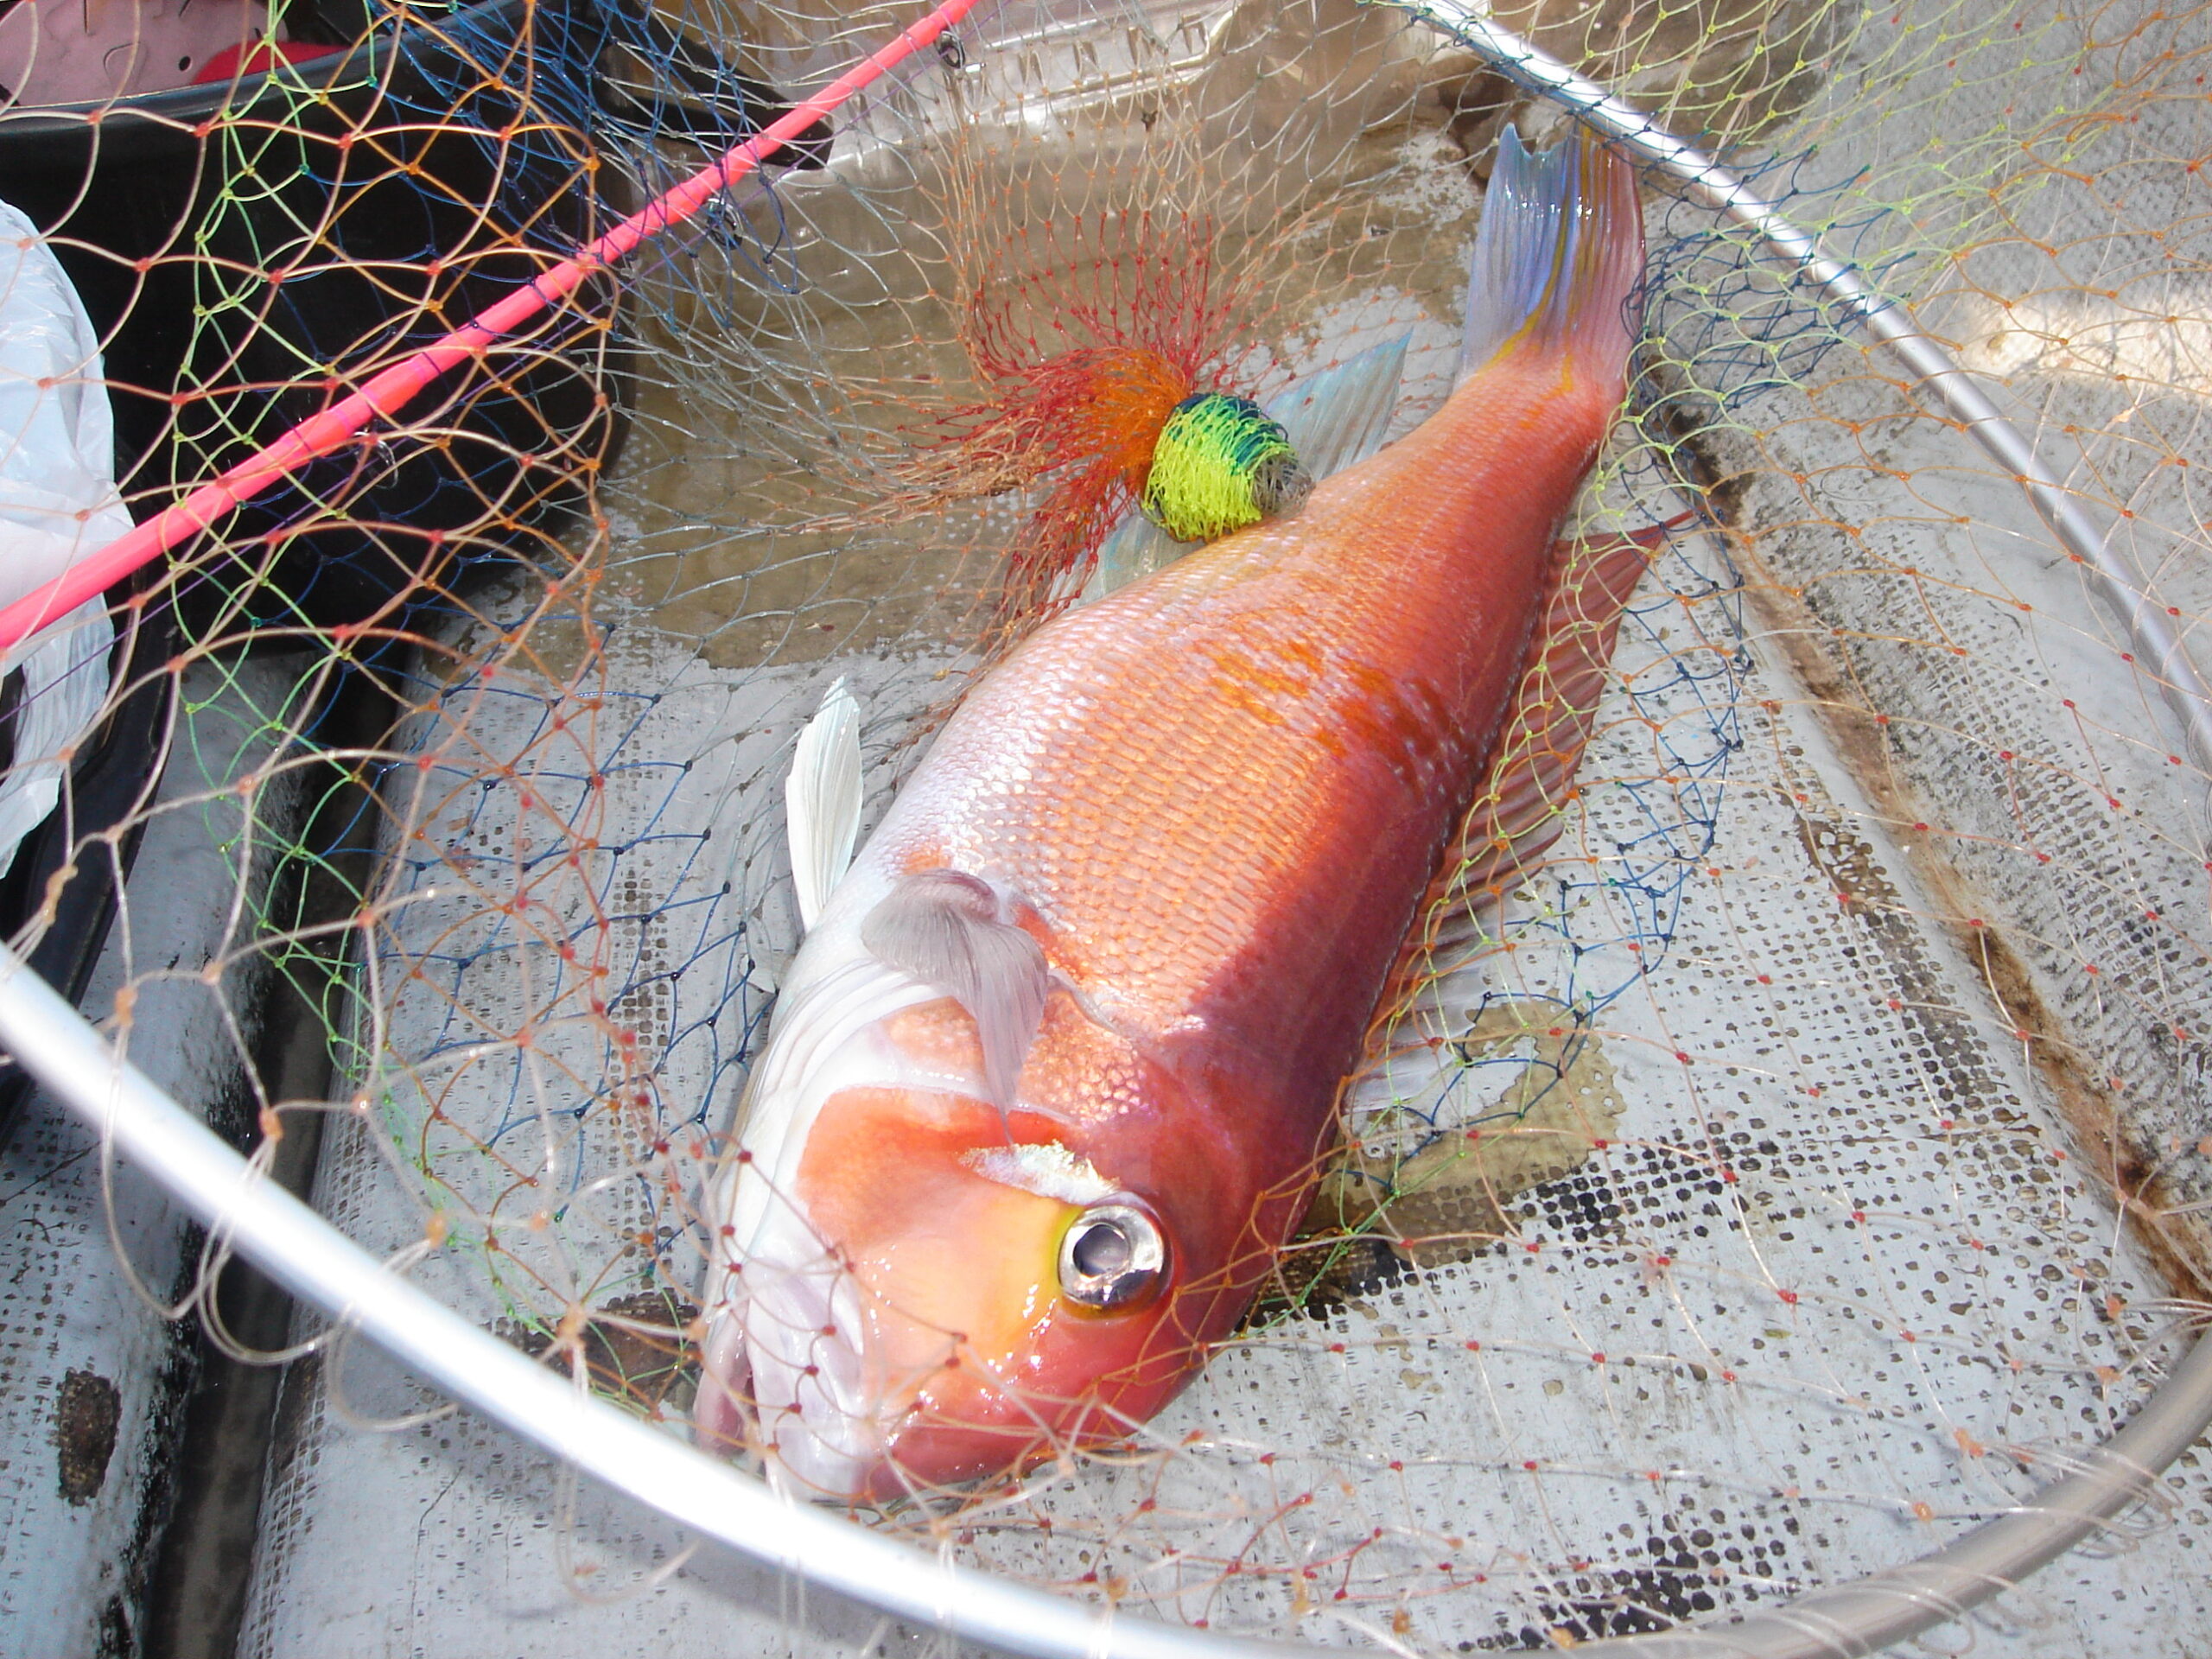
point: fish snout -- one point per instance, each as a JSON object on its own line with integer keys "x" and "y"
{"x": 932, "y": 1300}
{"x": 818, "y": 1354}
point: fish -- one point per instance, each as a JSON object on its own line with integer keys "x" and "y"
{"x": 1055, "y": 1068}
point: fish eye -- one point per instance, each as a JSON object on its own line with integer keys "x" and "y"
{"x": 1113, "y": 1257}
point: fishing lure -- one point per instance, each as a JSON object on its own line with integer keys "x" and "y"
{"x": 1221, "y": 463}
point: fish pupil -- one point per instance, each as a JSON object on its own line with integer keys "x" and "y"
{"x": 1104, "y": 1250}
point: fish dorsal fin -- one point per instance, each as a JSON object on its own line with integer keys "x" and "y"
{"x": 1559, "y": 255}
{"x": 1335, "y": 418}
{"x": 956, "y": 932}
{"x": 1520, "y": 809}
{"x": 822, "y": 800}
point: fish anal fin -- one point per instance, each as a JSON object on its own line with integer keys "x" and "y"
{"x": 1521, "y": 808}
{"x": 958, "y": 933}
{"x": 1335, "y": 418}
{"x": 1136, "y": 547}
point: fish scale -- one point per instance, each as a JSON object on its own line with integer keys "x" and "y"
{"x": 1126, "y": 715}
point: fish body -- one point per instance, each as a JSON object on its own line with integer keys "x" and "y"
{"x": 1090, "y": 988}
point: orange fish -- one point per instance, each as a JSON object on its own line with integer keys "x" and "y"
{"x": 1052, "y": 1076}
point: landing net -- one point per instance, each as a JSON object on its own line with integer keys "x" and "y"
{"x": 1803, "y": 1161}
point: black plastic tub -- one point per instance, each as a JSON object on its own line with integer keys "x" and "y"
{"x": 251, "y": 250}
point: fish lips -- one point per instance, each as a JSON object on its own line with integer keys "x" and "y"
{"x": 779, "y": 1379}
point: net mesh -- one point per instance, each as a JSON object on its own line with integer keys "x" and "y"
{"x": 1801, "y": 1158}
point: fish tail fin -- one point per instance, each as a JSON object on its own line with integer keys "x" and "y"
{"x": 1558, "y": 257}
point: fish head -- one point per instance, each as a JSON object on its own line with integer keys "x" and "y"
{"x": 947, "y": 1292}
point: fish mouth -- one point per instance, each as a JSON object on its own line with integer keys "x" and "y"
{"x": 898, "y": 1317}
{"x": 850, "y": 1397}
{"x": 835, "y": 1386}
{"x": 784, "y": 1374}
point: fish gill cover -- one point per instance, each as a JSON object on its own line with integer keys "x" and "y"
{"x": 1798, "y": 1156}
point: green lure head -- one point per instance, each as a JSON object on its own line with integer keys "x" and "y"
{"x": 1219, "y": 465}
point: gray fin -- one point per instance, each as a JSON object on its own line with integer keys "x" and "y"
{"x": 1335, "y": 418}
{"x": 950, "y": 930}
{"x": 1559, "y": 256}
{"x": 1136, "y": 547}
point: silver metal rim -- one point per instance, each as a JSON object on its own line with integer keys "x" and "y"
{"x": 2157, "y": 647}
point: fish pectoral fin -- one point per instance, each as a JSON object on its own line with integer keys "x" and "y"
{"x": 822, "y": 800}
{"x": 956, "y": 932}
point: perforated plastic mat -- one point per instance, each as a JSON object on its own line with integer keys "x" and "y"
{"x": 1759, "y": 1339}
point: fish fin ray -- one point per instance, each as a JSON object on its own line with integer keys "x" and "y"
{"x": 1335, "y": 418}
{"x": 952, "y": 931}
{"x": 1559, "y": 256}
{"x": 1520, "y": 811}
{"x": 822, "y": 800}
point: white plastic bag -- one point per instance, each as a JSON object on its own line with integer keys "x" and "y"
{"x": 57, "y": 503}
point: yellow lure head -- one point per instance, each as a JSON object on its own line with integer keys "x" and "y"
{"x": 1221, "y": 463}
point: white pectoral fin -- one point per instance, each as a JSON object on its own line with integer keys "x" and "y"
{"x": 822, "y": 800}
{"x": 951, "y": 930}
{"x": 1336, "y": 418}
